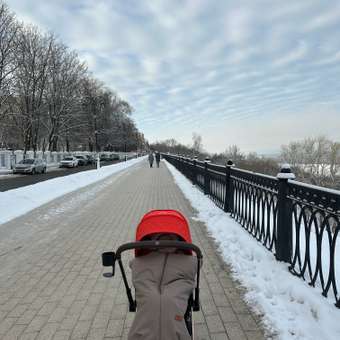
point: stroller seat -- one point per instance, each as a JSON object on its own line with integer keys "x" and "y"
{"x": 163, "y": 284}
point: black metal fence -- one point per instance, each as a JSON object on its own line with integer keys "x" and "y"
{"x": 299, "y": 223}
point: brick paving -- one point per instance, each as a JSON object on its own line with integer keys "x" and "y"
{"x": 51, "y": 279}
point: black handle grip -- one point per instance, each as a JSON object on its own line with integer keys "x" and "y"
{"x": 158, "y": 245}
{"x": 109, "y": 260}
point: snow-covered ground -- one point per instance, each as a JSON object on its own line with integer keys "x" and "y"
{"x": 292, "y": 309}
{"x": 16, "y": 202}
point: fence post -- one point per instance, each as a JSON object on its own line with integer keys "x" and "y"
{"x": 283, "y": 245}
{"x": 229, "y": 193}
{"x": 194, "y": 171}
{"x": 206, "y": 177}
{"x": 186, "y": 166}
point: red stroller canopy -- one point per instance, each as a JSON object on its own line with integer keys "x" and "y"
{"x": 163, "y": 221}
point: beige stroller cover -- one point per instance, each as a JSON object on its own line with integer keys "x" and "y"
{"x": 163, "y": 283}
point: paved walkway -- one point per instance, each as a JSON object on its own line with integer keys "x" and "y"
{"x": 51, "y": 282}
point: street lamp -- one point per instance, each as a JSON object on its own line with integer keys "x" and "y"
{"x": 95, "y": 131}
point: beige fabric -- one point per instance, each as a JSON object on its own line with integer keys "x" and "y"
{"x": 163, "y": 284}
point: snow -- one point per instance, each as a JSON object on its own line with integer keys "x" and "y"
{"x": 292, "y": 310}
{"x": 285, "y": 175}
{"x": 311, "y": 186}
{"x": 16, "y": 202}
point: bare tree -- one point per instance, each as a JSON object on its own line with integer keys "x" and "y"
{"x": 171, "y": 143}
{"x": 62, "y": 94}
{"x": 292, "y": 153}
{"x": 233, "y": 152}
{"x": 315, "y": 160}
{"x": 107, "y": 117}
{"x": 197, "y": 145}
{"x": 8, "y": 36}
{"x": 334, "y": 161}
{"x": 32, "y": 58}
{"x": 8, "y": 42}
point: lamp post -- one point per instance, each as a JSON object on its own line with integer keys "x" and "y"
{"x": 95, "y": 131}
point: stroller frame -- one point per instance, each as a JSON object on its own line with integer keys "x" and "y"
{"x": 109, "y": 259}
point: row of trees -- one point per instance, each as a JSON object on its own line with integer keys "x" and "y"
{"x": 249, "y": 161}
{"x": 173, "y": 146}
{"x": 313, "y": 160}
{"x": 49, "y": 100}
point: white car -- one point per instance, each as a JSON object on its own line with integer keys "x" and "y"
{"x": 69, "y": 162}
{"x": 30, "y": 166}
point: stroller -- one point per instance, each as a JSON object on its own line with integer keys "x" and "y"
{"x": 165, "y": 275}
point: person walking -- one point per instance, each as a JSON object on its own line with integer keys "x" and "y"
{"x": 151, "y": 158}
{"x": 158, "y": 158}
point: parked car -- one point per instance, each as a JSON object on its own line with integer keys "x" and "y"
{"x": 30, "y": 166}
{"x": 114, "y": 157}
{"x": 90, "y": 159}
{"x": 69, "y": 162}
{"x": 82, "y": 160}
{"x": 104, "y": 157}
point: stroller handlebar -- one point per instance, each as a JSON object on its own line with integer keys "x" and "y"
{"x": 159, "y": 245}
{"x": 109, "y": 259}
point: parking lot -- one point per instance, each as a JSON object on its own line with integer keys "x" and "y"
{"x": 13, "y": 181}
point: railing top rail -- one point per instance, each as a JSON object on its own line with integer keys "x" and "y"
{"x": 217, "y": 168}
{"x": 324, "y": 198}
{"x": 255, "y": 179}
{"x": 252, "y": 173}
{"x": 316, "y": 187}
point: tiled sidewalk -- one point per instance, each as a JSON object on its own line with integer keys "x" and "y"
{"x": 51, "y": 282}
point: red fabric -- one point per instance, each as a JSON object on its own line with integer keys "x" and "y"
{"x": 163, "y": 221}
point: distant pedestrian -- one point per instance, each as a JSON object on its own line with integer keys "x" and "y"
{"x": 158, "y": 158}
{"x": 151, "y": 158}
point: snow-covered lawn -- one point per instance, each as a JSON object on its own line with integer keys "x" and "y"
{"x": 291, "y": 308}
{"x": 16, "y": 202}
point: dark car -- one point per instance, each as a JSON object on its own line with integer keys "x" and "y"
{"x": 104, "y": 158}
{"x": 114, "y": 157}
{"x": 90, "y": 159}
{"x": 30, "y": 166}
{"x": 82, "y": 160}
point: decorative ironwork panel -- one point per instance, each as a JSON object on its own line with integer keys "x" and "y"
{"x": 256, "y": 179}
{"x": 200, "y": 175}
{"x": 320, "y": 197}
{"x": 316, "y": 225}
{"x": 217, "y": 188}
{"x": 255, "y": 208}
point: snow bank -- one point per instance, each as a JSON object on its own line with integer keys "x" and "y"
{"x": 16, "y": 202}
{"x": 291, "y": 308}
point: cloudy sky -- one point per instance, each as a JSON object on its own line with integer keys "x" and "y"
{"x": 253, "y": 73}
